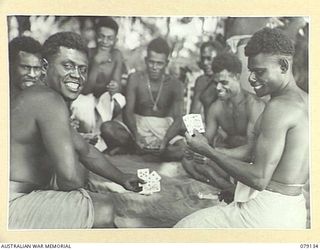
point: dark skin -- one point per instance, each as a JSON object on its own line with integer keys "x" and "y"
{"x": 41, "y": 133}
{"x": 282, "y": 145}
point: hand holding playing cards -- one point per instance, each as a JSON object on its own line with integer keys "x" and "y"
{"x": 131, "y": 182}
{"x": 152, "y": 181}
{"x": 198, "y": 143}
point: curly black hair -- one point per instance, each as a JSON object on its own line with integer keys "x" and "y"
{"x": 23, "y": 43}
{"x": 108, "y": 22}
{"x": 213, "y": 44}
{"x": 160, "y": 46}
{"x": 69, "y": 40}
{"x": 227, "y": 61}
{"x": 269, "y": 41}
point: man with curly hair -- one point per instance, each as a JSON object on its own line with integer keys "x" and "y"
{"x": 101, "y": 100}
{"x": 24, "y": 63}
{"x": 236, "y": 112}
{"x": 269, "y": 189}
{"x": 49, "y": 160}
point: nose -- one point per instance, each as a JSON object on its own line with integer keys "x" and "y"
{"x": 219, "y": 86}
{"x": 32, "y": 72}
{"x": 75, "y": 73}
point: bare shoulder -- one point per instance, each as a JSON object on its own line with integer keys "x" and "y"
{"x": 117, "y": 54}
{"x": 201, "y": 83}
{"x": 39, "y": 94}
{"x": 285, "y": 110}
{"x": 135, "y": 78}
{"x": 216, "y": 108}
{"x": 40, "y": 100}
{"x": 175, "y": 83}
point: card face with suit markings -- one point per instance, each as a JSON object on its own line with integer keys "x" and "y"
{"x": 193, "y": 121}
{"x": 152, "y": 184}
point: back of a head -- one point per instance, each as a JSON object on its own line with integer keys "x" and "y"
{"x": 269, "y": 41}
{"x": 226, "y": 61}
{"x": 69, "y": 40}
{"x": 213, "y": 44}
{"x": 159, "y": 45}
{"x": 107, "y": 22}
{"x": 23, "y": 43}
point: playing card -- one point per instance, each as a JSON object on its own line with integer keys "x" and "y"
{"x": 143, "y": 173}
{"x": 193, "y": 121}
{"x": 155, "y": 186}
{"x": 152, "y": 181}
{"x": 207, "y": 196}
{"x": 154, "y": 176}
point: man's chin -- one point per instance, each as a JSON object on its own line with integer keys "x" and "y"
{"x": 25, "y": 85}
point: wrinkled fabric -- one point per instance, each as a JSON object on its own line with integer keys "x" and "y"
{"x": 266, "y": 210}
{"x": 49, "y": 209}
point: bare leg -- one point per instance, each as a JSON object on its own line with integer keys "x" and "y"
{"x": 116, "y": 136}
{"x": 103, "y": 210}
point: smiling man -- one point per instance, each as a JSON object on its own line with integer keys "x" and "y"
{"x": 269, "y": 190}
{"x": 154, "y": 108}
{"x": 25, "y": 63}
{"x": 236, "y": 112}
{"x": 49, "y": 160}
{"x": 101, "y": 99}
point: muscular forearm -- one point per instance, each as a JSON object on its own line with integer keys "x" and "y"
{"x": 240, "y": 153}
{"x": 242, "y": 171}
{"x": 96, "y": 162}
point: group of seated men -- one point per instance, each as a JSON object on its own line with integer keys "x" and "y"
{"x": 258, "y": 151}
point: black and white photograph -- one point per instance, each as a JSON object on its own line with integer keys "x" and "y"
{"x": 180, "y": 122}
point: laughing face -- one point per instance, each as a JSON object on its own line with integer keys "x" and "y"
{"x": 27, "y": 70}
{"x": 228, "y": 84}
{"x": 106, "y": 38}
{"x": 265, "y": 74}
{"x": 67, "y": 72}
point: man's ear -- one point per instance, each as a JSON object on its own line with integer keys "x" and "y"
{"x": 284, "y": 65}
{"x": 45, "y": 64}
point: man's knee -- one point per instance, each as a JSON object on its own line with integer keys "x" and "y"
{"x": 107, "y": 128}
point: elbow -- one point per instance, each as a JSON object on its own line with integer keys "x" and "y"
{"x": 260, "y": 184}
{"x": 70, "y": 183}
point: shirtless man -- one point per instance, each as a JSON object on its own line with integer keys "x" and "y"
{"x": 154, "y": 108}
{"x": 236, "y": 112}
{"x": 205, "y": 91}
{"x": 25, "y": 63}
{"x": 46, "y": 153}
{"x": 269, "y": 191}
{"x": 100, "y": 100}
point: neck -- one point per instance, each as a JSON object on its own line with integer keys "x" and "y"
{"x": 104, "y": 51}
{"x": 288, "y": 85}
{"x": 237, "y": 99}
{"x": 156, "y": 81}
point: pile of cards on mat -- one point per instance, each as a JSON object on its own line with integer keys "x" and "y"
{"x": 193, "y": 121}
{"x": 152, "y": 180}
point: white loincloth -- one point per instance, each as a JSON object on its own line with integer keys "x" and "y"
{"x": 49, "y": 209}
{"x": 264, "y": 209}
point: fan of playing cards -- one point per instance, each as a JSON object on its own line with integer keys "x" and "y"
{"x": 193, "y": 121}
{"x": 152, "y": 180}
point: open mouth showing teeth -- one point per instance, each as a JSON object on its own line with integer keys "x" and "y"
{"x": 73, "y": 86}
{"x": 258, "y": 87}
